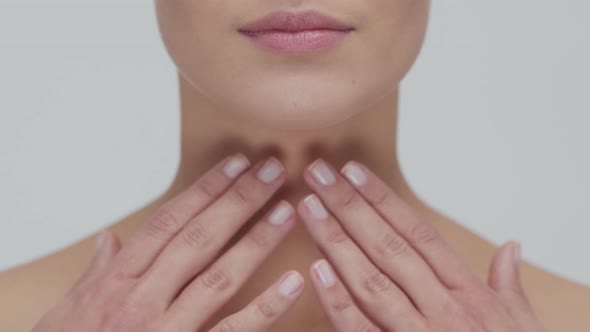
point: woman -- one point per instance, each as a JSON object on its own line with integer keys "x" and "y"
{"x": 366, "y": 254}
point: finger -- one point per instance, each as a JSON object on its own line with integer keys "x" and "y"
{"x": 408, "y": 222}
{"x": 207, "y": 233}
{"x": 260, "y": 314}
{"x": 504, "y": 275}
{"x": 381, "y": 298}
{"x": 390, "y": 252}
{"x": 107, "y": 245}
{"x": 219, "y": 282}
{"x": 142, "y": 248}
{"x": 339, "y": 306}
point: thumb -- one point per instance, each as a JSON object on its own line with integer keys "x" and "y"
{"x": 107, "y": 245}
{"x": 504, "y": 273}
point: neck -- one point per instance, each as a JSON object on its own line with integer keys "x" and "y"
{"x": 208, "y": 135}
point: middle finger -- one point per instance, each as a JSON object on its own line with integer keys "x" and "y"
{"x": 381, "y": 298}
{"x": 206, "y": 234}
{"x": 384, "y": 246}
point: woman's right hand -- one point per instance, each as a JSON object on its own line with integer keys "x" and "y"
{"x": 166, "y": 278}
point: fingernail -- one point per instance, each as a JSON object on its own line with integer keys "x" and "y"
{"x": 280, "y": 214}
{"x": 324, "y": 273}
{"x": 353, "y": 172}
{"x": 236, "y": 165}
{"x": 270, "y": 171}
{"x": 100, "y": 241}
{"x": 517, "y": 253}
{"x": 316, "y": 207}
{"x": 290, "y": 284}
{"x": 322, "y": 173}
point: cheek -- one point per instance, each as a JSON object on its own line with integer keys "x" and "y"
{"x": 398, "y": 33}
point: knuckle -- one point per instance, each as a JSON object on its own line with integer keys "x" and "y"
{"x": 257, "y": 238}
{"x": 381, "y": 198}
{"x": 195, "y": 234}
{"x": 215, "y": 279}
{"x": 164, "y": 222}
{"x": 365, "y": 326}
{"x": 336, "y": 235}
{"x": 377, "y": 283}
{"x": 265, "y": 309}
{"x": 342, "y": 303}
{"x": 206, "y": 187}
{"x": 391, "y": 245}
{"x": 350, "y": 199}
{"x": 424, "y": 233}
{"x": 238, "y": 194}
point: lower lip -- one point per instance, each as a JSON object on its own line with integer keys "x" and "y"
{"x": 297, "y": 41}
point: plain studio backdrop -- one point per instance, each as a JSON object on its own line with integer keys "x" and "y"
{"x": 493, "y": 122}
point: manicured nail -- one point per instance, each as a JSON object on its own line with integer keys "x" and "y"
{"x": 270, "y": 171}
{"x": 236, "y": 165}
{"x": 322, "y": 173}
{"x": 324, "y": 273}
{"x": 280, "y": 214}
{"x": 316, "y": 207}
{"x": 517, "y": 253}
{"x": 353, "y": 172}
{"x": 290, "y": 284}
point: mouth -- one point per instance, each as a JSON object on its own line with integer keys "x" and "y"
{"x": 296, "y": 32}
{"x": 294, "y": 22}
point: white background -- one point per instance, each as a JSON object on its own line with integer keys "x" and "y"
{"x": 493, "y": 122}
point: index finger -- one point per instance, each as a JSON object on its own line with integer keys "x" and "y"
{"x": 145, "y": 244}
{"x": 423, "y": 236}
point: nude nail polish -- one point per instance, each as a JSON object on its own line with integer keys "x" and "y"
{"x": 290, "y": 284}
{"x": 324, "y": 273}
{"x": 315, "y": 206}
{"x": 322, "y": 173}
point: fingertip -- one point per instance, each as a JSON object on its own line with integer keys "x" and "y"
{"x": 503, "y": 274}
{"x": 101, "y": 239}
{"x": 108, "y": 245}
{"x": 516, "y": 253}
{"x": 291, "y": 284}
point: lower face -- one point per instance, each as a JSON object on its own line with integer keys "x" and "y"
{"x": 288, "y": 81}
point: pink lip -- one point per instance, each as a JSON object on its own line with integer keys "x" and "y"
{"x": 296, "y": 32}
{"x": 288, "y": 21}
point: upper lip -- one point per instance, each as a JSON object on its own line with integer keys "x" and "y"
{"x": 290, "y": 21}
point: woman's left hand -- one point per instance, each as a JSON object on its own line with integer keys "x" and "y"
{"x": 398, "y": 272}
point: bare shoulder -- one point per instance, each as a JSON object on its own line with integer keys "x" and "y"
{"x": 561, "y": 304}
{"x": 30, "y": 289}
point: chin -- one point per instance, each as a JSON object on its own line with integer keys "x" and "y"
{"x": 299, "y": 109}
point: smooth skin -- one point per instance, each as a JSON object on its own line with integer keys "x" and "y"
{"x": 167, "y": 276}
{"x": 402, "y": 274}
{"x": 340, "y": 105}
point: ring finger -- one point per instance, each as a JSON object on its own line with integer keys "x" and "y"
{"x": 385, "y": 302}
{"x": 200, "y": 241}
{"x": 381, "y": 242}
{"x": 219, "y": 282}
{"x": 337, "y": 302}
